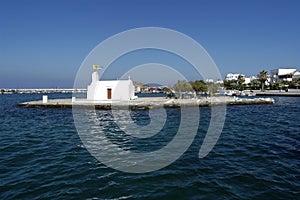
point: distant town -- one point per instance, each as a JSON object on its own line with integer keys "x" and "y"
{"x": 281, "y": 79}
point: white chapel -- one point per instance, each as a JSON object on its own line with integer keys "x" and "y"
{"x": 122, "y": 90}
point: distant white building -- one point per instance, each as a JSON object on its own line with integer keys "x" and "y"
{"x": 250, "y": 79}
{"x": 220, "y": 81}
{"x": 247, "y": 80}
{"x": 282, "y": 74}
{"x": 110, "y": 90}
{"x": 296, "y": 75}
{"x": 209, "y": 80}
{"x": 233, "y": 77}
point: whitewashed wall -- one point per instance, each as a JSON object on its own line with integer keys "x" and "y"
{"x": 120, "y": 89}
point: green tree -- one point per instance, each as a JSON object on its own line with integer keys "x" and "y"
{"x": 240, "y": 81}
{"x": 254, "y": 85}
{"x": 230, "y": 85}
{"x": 213, "y": 88}
{"x": 275, "y": 86}
{"x": 182, "y": 86}
{"x": 262, "y": 77}
{"x": 296, "y": 83}
{"x": 199, "y": 86}
{"x": 168, "y": 91}
{"x": 227, "y": 84}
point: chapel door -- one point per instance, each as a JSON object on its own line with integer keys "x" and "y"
{"x": 108, "y": 93}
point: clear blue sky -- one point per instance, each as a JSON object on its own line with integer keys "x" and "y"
{"x": 43, "y": 42}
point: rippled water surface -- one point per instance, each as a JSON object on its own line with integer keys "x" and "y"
{"x": 256, "y": 156}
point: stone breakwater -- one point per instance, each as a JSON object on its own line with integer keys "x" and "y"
{"x": 146, "y": 103}
{"x": 289, "y": 93}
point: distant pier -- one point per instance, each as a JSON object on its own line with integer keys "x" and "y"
{"x": 146, "y": 103}
{"x": 41, "y": 91}
{"x": 289, "y": 93}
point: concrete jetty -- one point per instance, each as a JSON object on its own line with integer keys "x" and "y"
{"x": 288, "y": 93}
{"x": 146, "y": 103}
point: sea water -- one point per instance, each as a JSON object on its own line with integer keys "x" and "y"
{"x": 256, "y": 156}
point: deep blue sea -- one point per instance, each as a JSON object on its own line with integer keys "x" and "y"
{"x": 256, "y": 157}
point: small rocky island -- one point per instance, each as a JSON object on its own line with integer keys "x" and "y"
{"x": 147, "y": 103}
